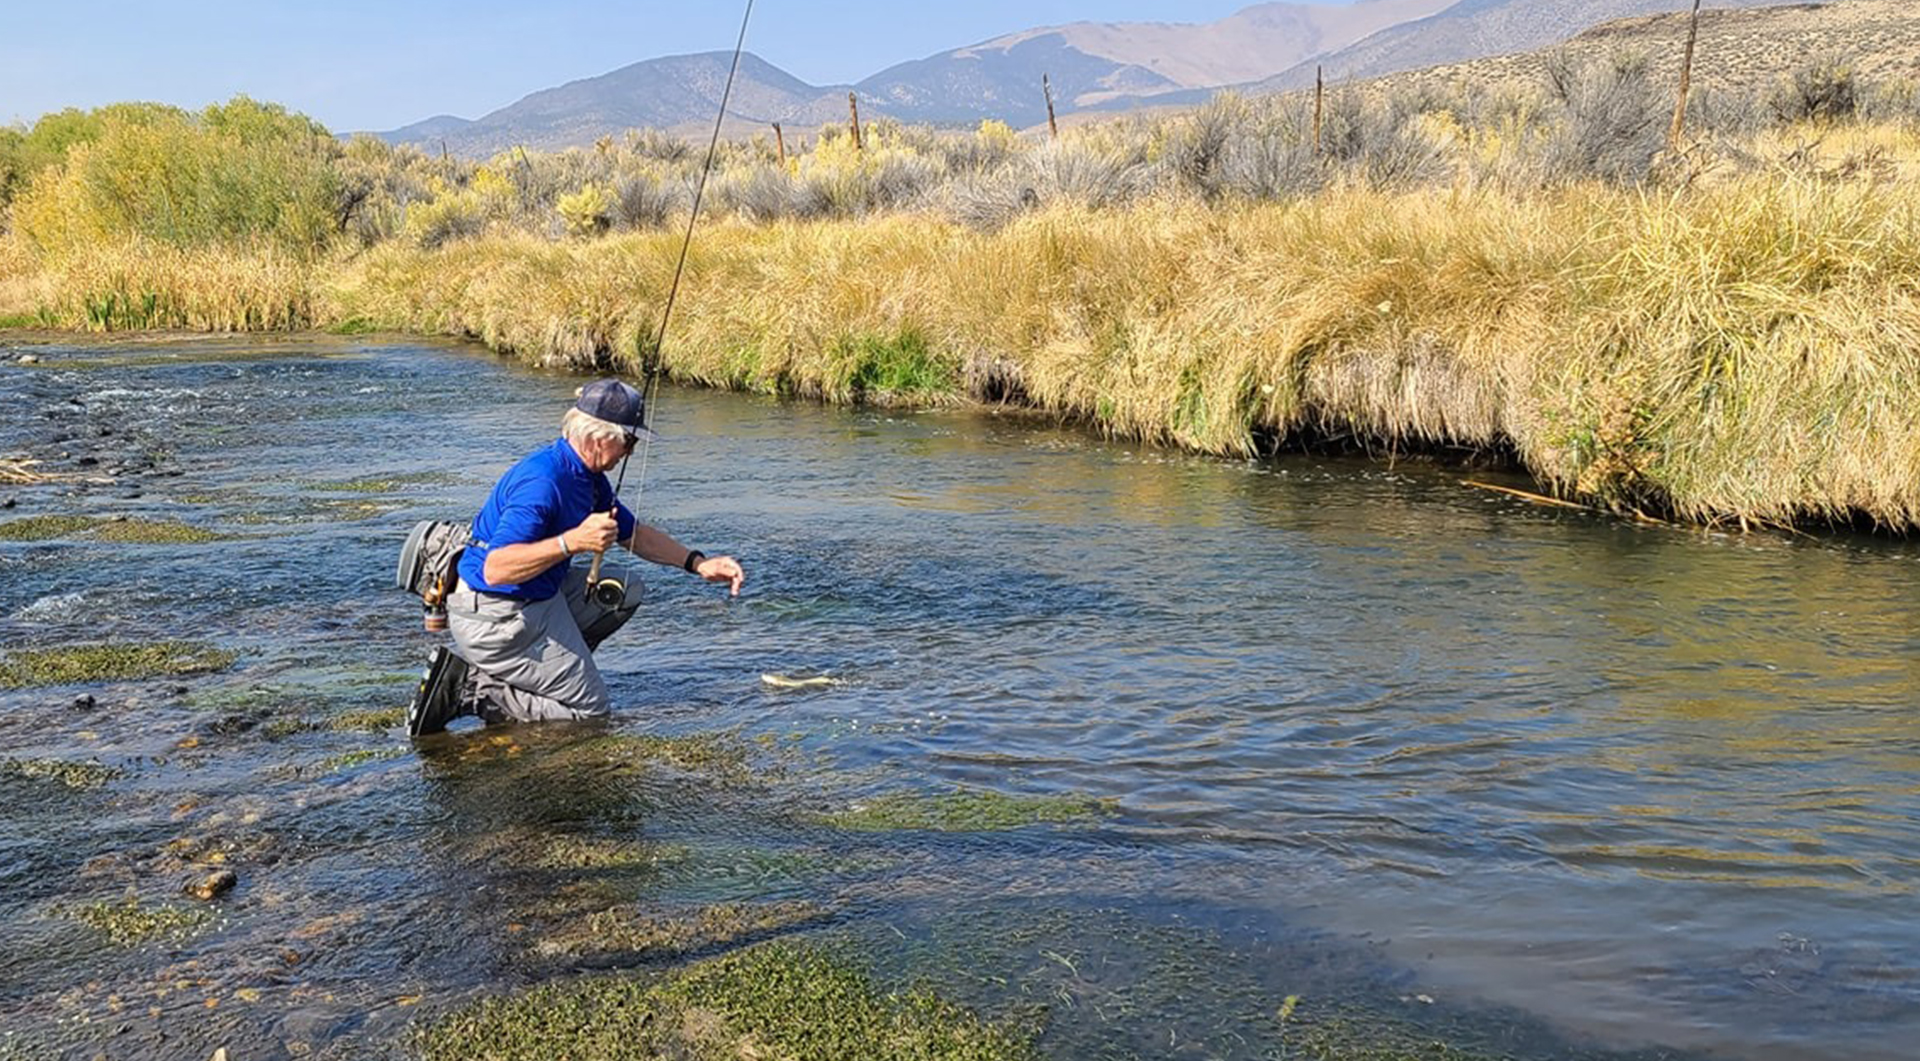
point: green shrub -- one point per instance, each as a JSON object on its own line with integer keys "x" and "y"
{"x": 1825, "y": 90}
{"x": 241, "y": 173}
{"x": 24, "y": 153}
{"x": 587, "y": 212}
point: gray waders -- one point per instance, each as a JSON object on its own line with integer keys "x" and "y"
{"x": 532, "y": 661}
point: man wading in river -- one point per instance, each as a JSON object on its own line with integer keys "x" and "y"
{"x": 523, "y": 622}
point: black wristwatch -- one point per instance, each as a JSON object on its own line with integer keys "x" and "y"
{"x": 694, "y": 556}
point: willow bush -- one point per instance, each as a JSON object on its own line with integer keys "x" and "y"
{"x": 239, "y": 174}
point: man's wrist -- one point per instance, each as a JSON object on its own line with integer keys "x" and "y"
{"x": 562, "y": 539}
{"x": 692, "y": 563}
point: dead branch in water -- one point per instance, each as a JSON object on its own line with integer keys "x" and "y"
{"x": 1525, "y": 495}
{"x": 20, "y": 470}
{"x": 1541, "y": 499}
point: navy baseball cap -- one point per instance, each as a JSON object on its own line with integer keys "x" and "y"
{"x": 616, "y": 403}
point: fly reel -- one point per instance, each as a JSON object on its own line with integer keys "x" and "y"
{"x": 608, "y": 593}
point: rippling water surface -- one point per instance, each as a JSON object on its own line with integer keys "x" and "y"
{"x": 1549, "y": 782}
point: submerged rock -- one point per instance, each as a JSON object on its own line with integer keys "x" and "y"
{"x": 213, "y": 885}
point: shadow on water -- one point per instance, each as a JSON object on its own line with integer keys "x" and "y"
{"x": 1135, "y": 745}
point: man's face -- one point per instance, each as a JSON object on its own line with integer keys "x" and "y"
{"x": 603, "y": 454}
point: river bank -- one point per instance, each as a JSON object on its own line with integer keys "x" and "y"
{"x": 1737, "y": 353}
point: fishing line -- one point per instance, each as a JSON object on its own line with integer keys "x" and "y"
{"x": 650, "y": 387}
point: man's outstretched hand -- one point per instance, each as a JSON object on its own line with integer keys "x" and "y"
{"x": 722, "y": 569}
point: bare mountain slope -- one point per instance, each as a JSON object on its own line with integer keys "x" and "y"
{"x": 1118, "y": 63}
{"x": 1474, "y": 29}
{"x": 1740, "y": 51}
{"x": 658, "y": 93}
{"x": 1087, "y": 62}
{"x": 1247, "y": 46}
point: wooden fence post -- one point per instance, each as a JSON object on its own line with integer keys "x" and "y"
{"x": 1319, "y": 105}
{"x": 853, "y": 111}
{"x": 1686, "y": 83}
{"x": 1053, "y": 127}
{"x": 780, "y": 139}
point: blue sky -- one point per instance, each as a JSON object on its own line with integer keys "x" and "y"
{"x": 357, "y": 64}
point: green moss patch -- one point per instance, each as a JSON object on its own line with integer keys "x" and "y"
{"x": 153, "y": 532}
{"x": 636, "y": 932}
{"x": 719, "y": 755}
{"x": 86, "y": 775}
{"x": 359, "y": 757}
{"x": 127, "y": 923}
{"x": 373, "y": 720}
{"x": 572, "y": 853}
{"x": 546, "y": 849}
{"x": 382, "y": 484}
{"x": 353, "y": 326}
{"x": 966, "y": 810}
{"x": 109, "y": 662}
{"x": 43, "y": 528}
{"x": 123, "y": 531}
{"x": 775, "y": 1000}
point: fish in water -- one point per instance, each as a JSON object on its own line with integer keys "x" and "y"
{"x": 781, "y": 681}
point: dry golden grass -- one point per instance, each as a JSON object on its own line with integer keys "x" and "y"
{"x": 1742, "y": 350}
{"x": 23, "y": 286}
{"x": 135, "y": 284}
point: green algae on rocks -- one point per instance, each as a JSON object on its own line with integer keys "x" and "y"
{"x": 86, "y": 775}
{"x": 129, "y": 922}
{"x": 371, "y": 720}
{"x": 721, "y": 756}
{"x": 121, "y": 531}
{"x": 43, "y": 528}
{"x": 633, "y": 931}
{"x": 358, "y": 757}
{"x": 114, "y": 661}
{"x": 777, "y": 999}
{"x": 966, "y": 810}
{"x": 383, "y": 484}
{"x": 153, "y": 532}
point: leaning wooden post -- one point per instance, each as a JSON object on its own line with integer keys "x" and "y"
{"x": 853, "y": 111}
{"x": 1686, "y": 83}
{"x": 1319, "y": 105}
{"x": 1053, "y": 127}
{"x": 780, "y": 139}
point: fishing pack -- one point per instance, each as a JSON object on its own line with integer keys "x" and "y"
{"x": 430, "y": 565}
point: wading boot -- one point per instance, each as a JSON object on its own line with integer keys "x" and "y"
{"x": 437, "y": 702}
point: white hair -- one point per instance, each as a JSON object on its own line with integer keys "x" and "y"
{"x": 577, "y": 426}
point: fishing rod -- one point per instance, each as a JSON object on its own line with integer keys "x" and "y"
{"x": 612, "y": 592}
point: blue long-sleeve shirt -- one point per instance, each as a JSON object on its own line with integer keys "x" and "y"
{"x": 549, "y": 492}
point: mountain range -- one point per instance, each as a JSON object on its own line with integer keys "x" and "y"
{"x": 1090, "y": 66}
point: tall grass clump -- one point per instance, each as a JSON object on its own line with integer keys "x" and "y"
{"x": 140, "y": 284}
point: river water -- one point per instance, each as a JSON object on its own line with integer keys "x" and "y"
{"x": 1522, "y": 778}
